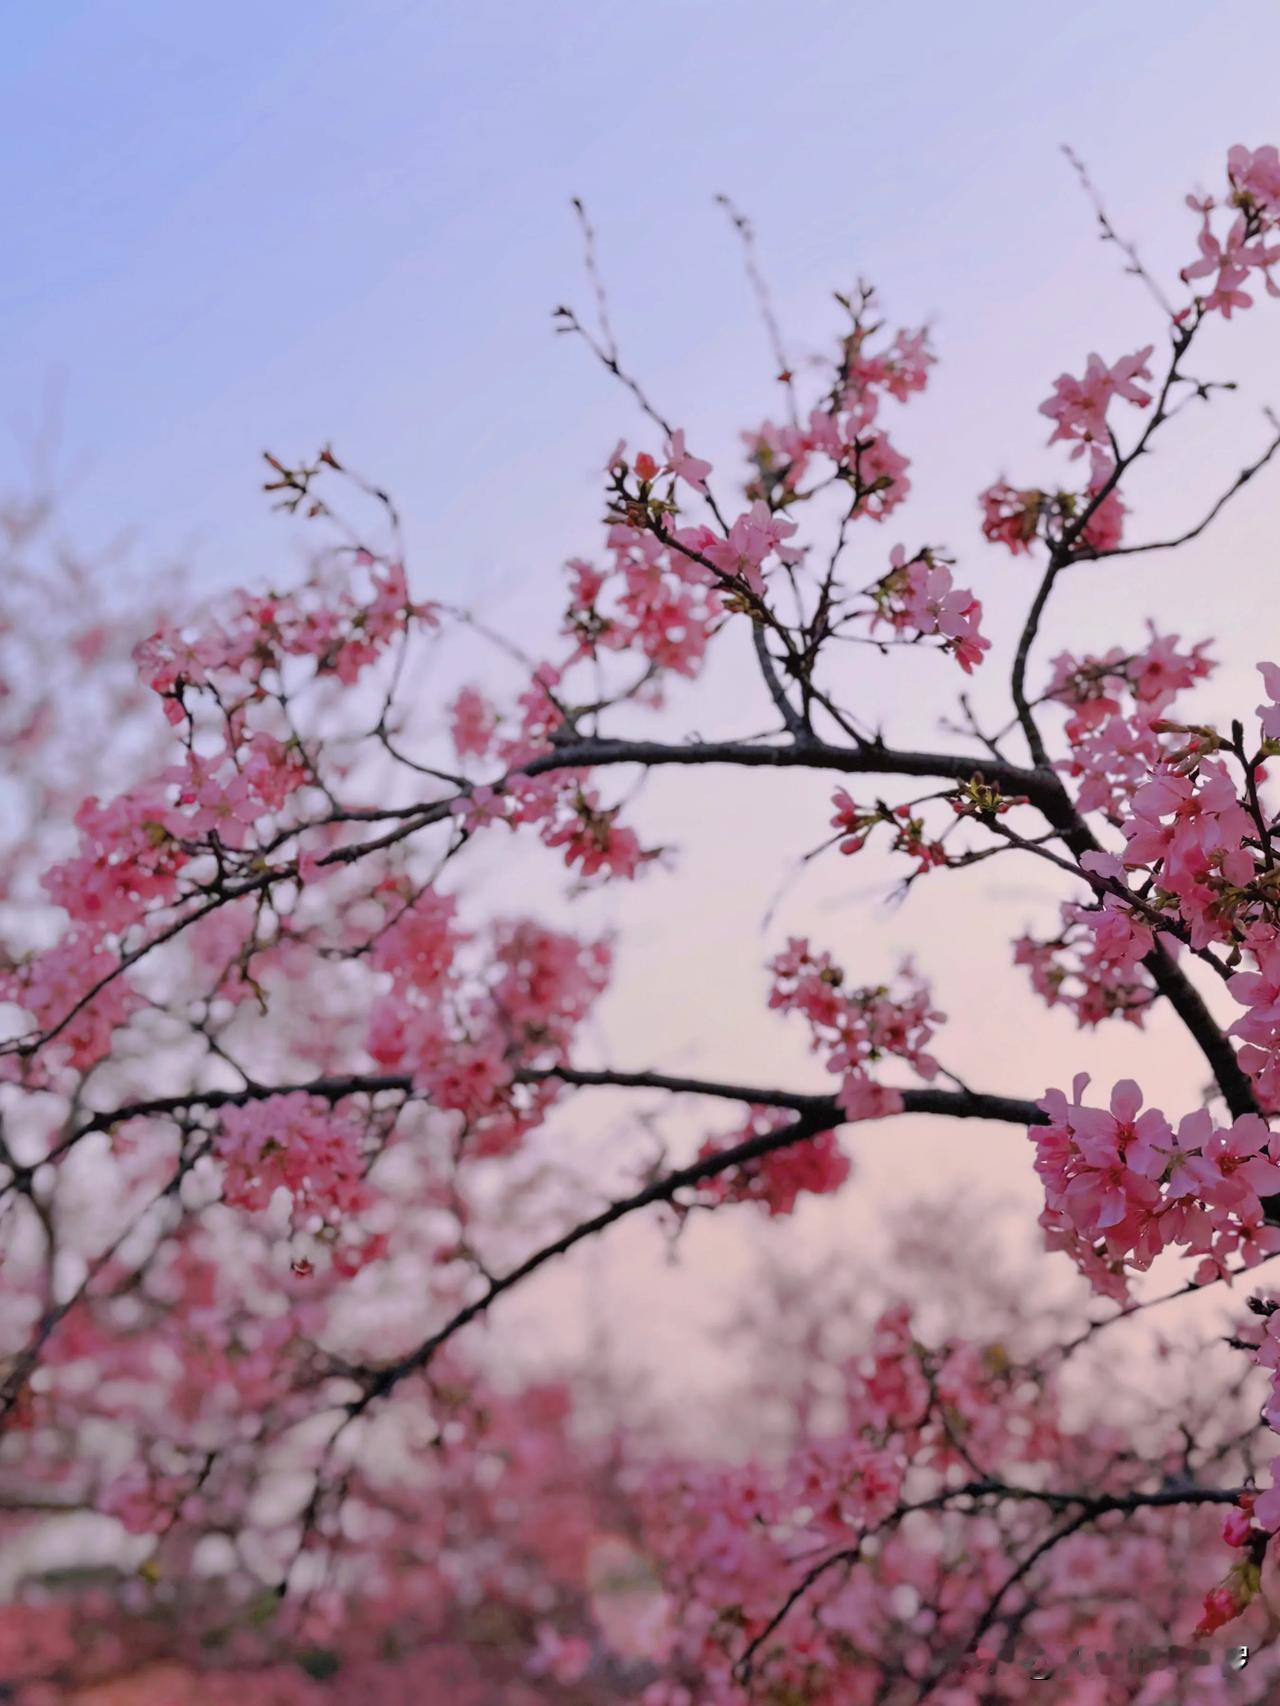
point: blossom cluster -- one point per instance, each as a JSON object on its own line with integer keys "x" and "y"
{"x": 341, "y": 627}
{"x": 195, "y": 1276}
{"x": 1228, "y": 257}
{"x": 481, "y": 1046}
{"x": 777, "y": 1179}
{"x": 845, "y": 429}
{"x": 1093, "y": 966}
{"x": 311, "y": 1154}
{"x": 917, "y": 597}
{"x": 1121, "y": 1185}
{"x": 856, "y": 1029}
{"x": 1118, "y": 703}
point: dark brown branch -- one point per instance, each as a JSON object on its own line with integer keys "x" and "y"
{"x": 952, "y": 1104}
{"x": 1111, "y": 235}
{"x": 1063, "y": 551}
{"x": 1182, "y": 995}
{"x": 1241, "y": 479}
{"x": 568, "y": 754}
{"x": 329, "y": 1089}
{"x": 870, "y": 759}
{"x": 1041, "y": 786}
{"x": 792, "y": 719}
{"x": 1189, "y": 1004}
{"x": 967, "y": 1104}
{"x": 1085, "y": 1507}
{"x": 819, "y": 1115}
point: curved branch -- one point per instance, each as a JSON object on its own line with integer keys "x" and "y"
{"x": 331, "y": 1089}
{"x": 1173, "y": 983}
{"x": 820, "y": 1114}
{"x": 1084, "y": 1506}
{"x": 872, "y": 759}
{"x": 1026, "y": 639}
{"x": 1241, "y": 479}
{"x": 1190, "y": 1006}
{"x": 1063, "y": 551}
{"x": 955, "y": 1104}
{"x": 569, "y": 754}
{"x": 951, "y": 1104}
{"x": 1041, "y": 786}
{"x": 793, "y": 721}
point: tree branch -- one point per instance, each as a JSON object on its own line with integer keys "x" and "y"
{"x": 1085, "y": 1507}
{"x": 1241, "y": 479}
{"x": 820, "y": 1114}
{"x": 871, "y": 759}
{"x": 954, "y": 1104}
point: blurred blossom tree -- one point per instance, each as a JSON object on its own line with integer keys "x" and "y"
{"x": 273, "y": 1080}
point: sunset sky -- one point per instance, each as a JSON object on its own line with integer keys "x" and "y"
{"x": 255, "y": 227}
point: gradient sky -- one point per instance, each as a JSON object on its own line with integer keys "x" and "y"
{"x": 253, "y": 226}
{"x": 258, "y": 226}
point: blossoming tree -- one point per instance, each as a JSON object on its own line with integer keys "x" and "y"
{"x": 271, "y": 1082}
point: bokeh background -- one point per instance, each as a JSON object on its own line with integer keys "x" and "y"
{"x": 252, "y": 226}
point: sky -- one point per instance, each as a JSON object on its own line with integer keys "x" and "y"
{"x": 243, "y": 228}
{"x": 240, "y": 229}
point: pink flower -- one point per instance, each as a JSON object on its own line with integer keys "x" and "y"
{"x": 1255, "y": 173}
{"x": 1011, "y": 517}
{"x": 1118, "y": 1154}
{"x": 1079, "y": 407}
{"x": 691, "y": 469}
{"x": 882, "y": 481}
{"x": 1237, "y": 1524}
{"x": 226, "y": 808}
{"x": 296, "y": 1144}
{"x": 778, "y": 1180}
{"x": 594, "y": 842}
{"x": 1222, "y": 1605}
{"x": 758, "y": 535}
{"x": 852, "y": 821}
{"x": 918, "y": 594}
{"x": 1236, "y": 1167}
{"x": 1227, "y": 262}
{"x": 1105, "y": 527}
{"x": 472, "y": 721}
{"x": 564, "y": 1658}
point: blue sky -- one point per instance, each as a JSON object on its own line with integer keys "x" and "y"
{"x": 244, "y": 226}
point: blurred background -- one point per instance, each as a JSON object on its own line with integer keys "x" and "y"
{"x": 251, "y": 227}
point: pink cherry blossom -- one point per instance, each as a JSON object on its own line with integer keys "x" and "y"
{"x": 691, "y": 469}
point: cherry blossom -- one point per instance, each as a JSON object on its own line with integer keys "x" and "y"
{"x": 303, "y": 1074}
